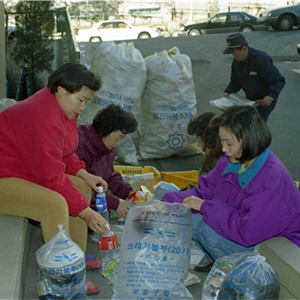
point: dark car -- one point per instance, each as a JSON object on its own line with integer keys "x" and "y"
{"x": 282, "y": 18}
{"x": 224, "y": 22}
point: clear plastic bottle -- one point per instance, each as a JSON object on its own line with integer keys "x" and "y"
{"x": 101, "y": 204}
{"x": 110, "y": 255}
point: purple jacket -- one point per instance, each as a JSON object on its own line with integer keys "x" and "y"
{"x": 248, "y": 208}
{"x": 100, "y": 161}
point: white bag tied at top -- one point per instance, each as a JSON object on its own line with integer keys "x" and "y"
{"x": 155, "y": 252}
{"x": 123, "y": 72}
{"x": 61, "y": 270}
{"x": 168, "y": 104}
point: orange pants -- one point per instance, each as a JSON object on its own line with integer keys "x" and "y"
{"x": 20, "y": 197}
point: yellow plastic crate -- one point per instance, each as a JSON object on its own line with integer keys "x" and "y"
{"x": 180, "y": 179}
{"x": 135, "y": 170}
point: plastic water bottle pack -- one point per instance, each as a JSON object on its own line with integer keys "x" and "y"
{"x": 61, "y": 270}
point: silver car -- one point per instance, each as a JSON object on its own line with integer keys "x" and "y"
{"x": 282, "y": 18}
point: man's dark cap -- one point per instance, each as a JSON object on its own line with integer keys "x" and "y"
{"x": 234, "y": 41}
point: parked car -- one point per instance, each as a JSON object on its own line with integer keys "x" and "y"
{"x": 116, "y": 30}
{"x": 224, "y": 22}
{"x": 282, "y": 18}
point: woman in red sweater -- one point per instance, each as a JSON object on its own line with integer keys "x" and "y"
{"x": 41, "y": 176}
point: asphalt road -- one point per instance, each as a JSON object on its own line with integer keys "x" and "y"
{"x": 211, "y": 71}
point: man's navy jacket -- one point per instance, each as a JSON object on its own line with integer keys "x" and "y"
{"x": 257, "y": 76}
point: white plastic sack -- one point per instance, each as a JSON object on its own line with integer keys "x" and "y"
{"x": 6, "y": 102}
{"x": 123, "y": 73}
{"x": 168, "y": 104}
{"x": 87, "y": 116}
{"x": 155, "y": 252}
{"x": 61, "y": 270}
{"x": 127, "y": 150}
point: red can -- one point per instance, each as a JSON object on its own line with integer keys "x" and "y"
{"x": 108, "y": 241}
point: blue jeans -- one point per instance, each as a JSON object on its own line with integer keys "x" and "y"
{"x": 211, "y": 243}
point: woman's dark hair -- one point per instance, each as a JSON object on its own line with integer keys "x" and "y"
{"x": 72, "y": 77}
{"x": 247, "y": 125}
{"x": 114, "y": 118}
{"x": 199, "y": 125}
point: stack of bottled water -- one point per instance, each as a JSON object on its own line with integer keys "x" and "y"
{"x": 61, "y": 270}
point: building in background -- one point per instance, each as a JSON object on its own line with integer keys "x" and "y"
{"x": 154, "y": 12}
{"x": 192, "y": 10}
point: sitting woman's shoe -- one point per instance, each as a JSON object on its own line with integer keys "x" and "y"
{"x": 92, "y": 262}
{"x": 203, "y": 267}
{"x": 91, "y": 289}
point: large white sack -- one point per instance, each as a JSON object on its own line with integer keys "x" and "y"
{"x": 168, "y": 103}
{"x": 123, "y": 72}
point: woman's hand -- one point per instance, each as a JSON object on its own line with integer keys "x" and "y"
{"x": 193, "y": 202}
{"x": 92, "y": 180}
{"x": 123, "y": 208}
{"x": 94, "y": 220}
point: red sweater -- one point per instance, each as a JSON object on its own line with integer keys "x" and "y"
{"x": 38, "y": 143}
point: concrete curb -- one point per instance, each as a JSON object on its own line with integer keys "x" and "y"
{"x": 15, "y": 240}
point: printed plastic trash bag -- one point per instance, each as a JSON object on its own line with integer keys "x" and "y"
{"x": 168, "y": 104}
{"x": 86, "y": 117}
{"x": 215, "y": 278}
{"x": 123, "y": 72}
{"x": 243, "y": 275}
{"x": 61, "y": 270}
{"x": 155, "y": 252}
{"x": 126, "y": 151}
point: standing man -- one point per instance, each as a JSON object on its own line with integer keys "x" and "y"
{"x": 253, "y": 71}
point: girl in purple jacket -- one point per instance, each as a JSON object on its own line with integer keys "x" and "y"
{"x": 248, "y": 197}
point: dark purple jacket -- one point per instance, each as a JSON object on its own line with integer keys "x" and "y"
{"x": 100, "y": 161}
{"x": 252, "y": 207}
